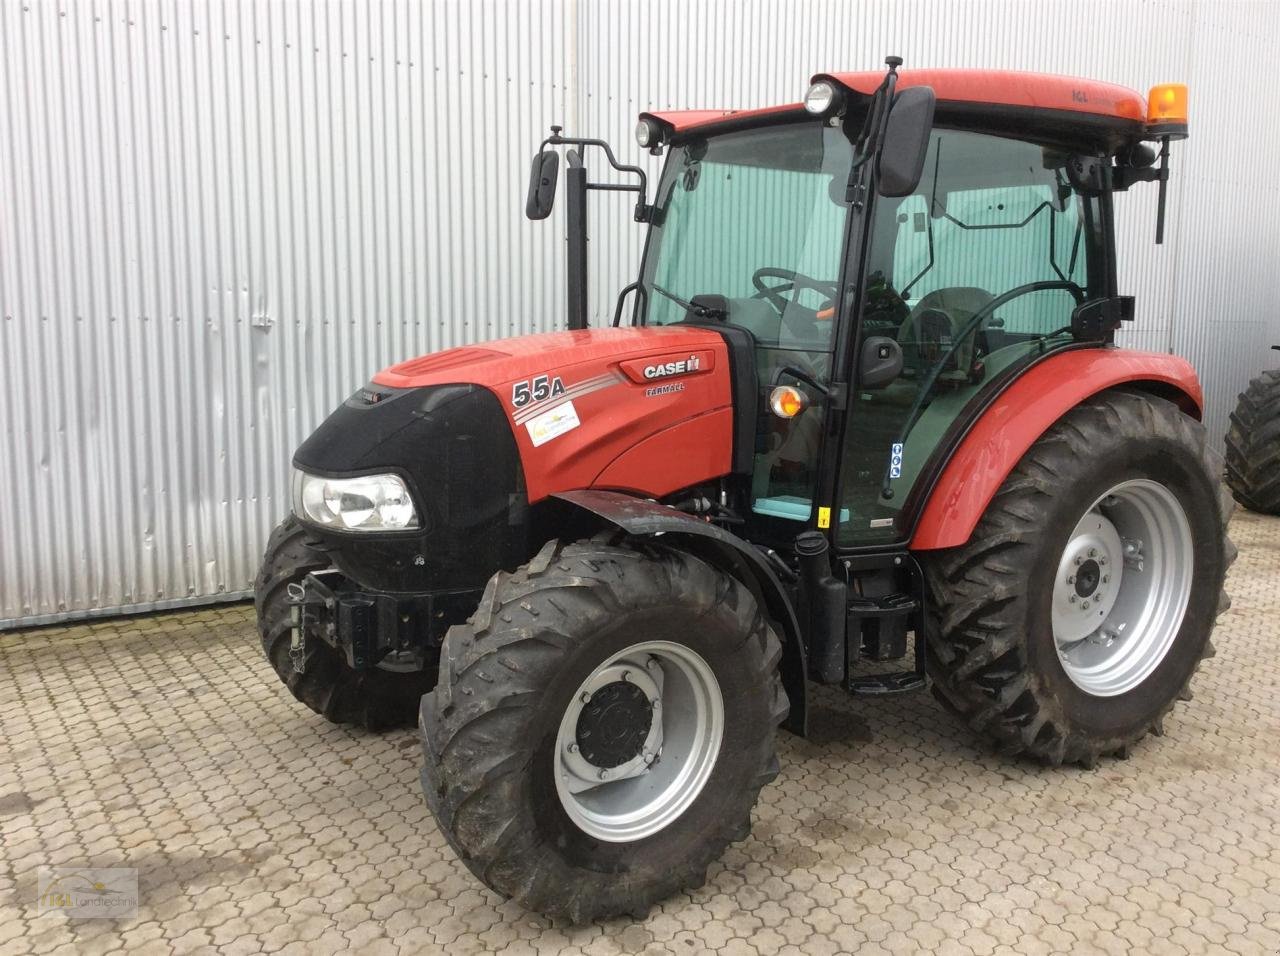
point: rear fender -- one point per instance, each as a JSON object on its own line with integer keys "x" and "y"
{"x": 643, "y": 518}
{"x": 1025, "y": 411}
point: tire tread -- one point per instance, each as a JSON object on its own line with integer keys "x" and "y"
{"x": 373, "y": 699}
{"x": 1253, "y": 446}
{"x": 471, "y": 725}
{"x": 980, "y": 672}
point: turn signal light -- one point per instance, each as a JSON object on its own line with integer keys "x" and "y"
{"x": 787, "y": 401}
{"x": 1167, "y": 110}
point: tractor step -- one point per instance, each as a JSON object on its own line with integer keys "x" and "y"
{"x": 878, "y": 685}
{"x": 891, "y": 605}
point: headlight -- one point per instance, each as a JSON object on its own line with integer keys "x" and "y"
{"x": 367, "y": 503}
{"x": 819, "y": 97}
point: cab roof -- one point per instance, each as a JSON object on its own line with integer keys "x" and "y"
{"x": 998, "y": 98}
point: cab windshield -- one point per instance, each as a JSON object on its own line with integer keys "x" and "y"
{"x": 749, "y": 230}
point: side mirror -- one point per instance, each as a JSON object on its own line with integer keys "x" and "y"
{"x": 881, "y": 362}
{"x": 906, "y": 141}
{"x": 542, "y": 185}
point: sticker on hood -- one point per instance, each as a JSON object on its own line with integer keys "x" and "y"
{"x": 552, "y": 423}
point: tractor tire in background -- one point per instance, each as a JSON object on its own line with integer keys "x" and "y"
{"x": 373, "y": 699}
{"x": 602, "y": 727}
{"x": 1253, "y": 446}
{"x": 1074, "y": 617}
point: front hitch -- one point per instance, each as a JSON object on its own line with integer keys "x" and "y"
{"x": 400, "y": 632}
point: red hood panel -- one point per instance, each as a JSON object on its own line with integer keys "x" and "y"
{"x": 579, "y": 404}
{"x": 504, "y": 360}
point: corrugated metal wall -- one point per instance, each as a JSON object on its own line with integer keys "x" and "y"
{"x": 218, "y": 218}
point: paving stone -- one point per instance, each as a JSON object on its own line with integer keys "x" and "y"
{"x": 166, "y": 743}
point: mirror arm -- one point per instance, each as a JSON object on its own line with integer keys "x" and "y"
{"x": 868, "y": 147}
{"x": 643, "y": 211}
{"x": 801, "y": 376}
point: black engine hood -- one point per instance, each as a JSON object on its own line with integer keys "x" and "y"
{"x": 454, "y": 449}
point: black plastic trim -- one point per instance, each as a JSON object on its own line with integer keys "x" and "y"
{"x": 737, "y": 123}
{"x": 1052, "y": 127}
{"x": 745, "y": 383}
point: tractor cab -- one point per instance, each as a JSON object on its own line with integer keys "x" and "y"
{"x": 885, "y": 313}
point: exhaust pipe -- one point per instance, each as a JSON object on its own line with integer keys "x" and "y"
{"x": 822, "y": 607}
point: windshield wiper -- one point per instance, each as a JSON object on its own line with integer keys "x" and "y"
{"x": 701, "y": 311}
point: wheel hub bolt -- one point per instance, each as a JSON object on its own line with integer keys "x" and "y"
{"x": 626, "y": 676}
{"x": 655, "y": 703}
{"x": 586, "y": 697}
{"x": 1085, "y": 605}
{"x": 1071, "y": 579}
{"x": 1079, "y": 560}
{"x": 573, "y": 748}
{"x": 1072, "y": 598}
{"x": 1106, "y": 578}
{"x": 604, "y": 774}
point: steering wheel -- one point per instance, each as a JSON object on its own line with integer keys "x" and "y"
{"x": 792, "y": 282}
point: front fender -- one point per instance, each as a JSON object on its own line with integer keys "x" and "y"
{"x": 643, "y": 518}
{"x": 1024, "y": 412}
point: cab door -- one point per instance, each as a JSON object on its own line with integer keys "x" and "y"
{"x": 974, "y": 275}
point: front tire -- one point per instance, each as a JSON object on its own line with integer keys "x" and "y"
{"x": 552, "y": 683}
{"x": 1253, "y": 446}
{"x": 1075, "y": 616}
{"x": 373, "y": 699}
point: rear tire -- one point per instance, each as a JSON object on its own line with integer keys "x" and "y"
{"x": 1253, "y": 446}
{"x": 510, "y": 680}
{"x": 372, "y": 699}
{"x": 997, "y": 650}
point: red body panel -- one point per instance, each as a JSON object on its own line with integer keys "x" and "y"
{"x": 1021, "y": 415}
{"x": 673, "y": 458}
{"x": 601, "y": 406}
{"x": 1043, "y": 91}
{"x": 991, "y": 87}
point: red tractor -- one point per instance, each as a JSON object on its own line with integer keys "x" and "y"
{"x": 862, "y": 405}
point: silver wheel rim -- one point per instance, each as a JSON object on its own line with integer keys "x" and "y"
{"x": 672, "y": 759}
{"x": 1122, "y": 588}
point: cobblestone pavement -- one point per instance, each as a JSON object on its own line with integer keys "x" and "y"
{"x": 165, "y": 743}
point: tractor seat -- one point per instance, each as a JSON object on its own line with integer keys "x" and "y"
{"x": 931, "y": 327}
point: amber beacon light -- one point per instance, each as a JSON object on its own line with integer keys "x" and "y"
{"x": 1167, "y": 110}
